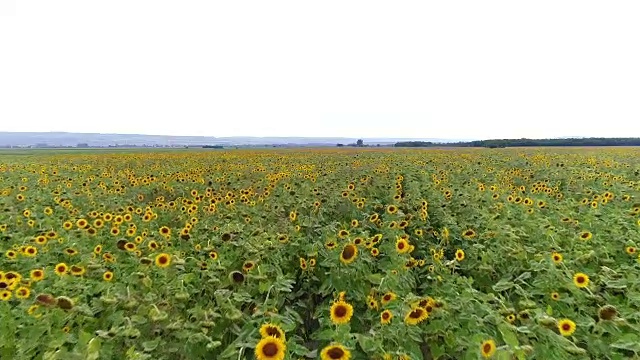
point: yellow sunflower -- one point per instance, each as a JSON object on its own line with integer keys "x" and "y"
{"x": 488, "y": 348}
{"x": 581, "y": 280}
{"x": 341, "y": 312}
{"x": 270, "y": 348}
{"x": 335, "y": 352}
{"x": 273, "y": 330}
{"x": 566, "y": 327}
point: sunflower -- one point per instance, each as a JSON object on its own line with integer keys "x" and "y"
{"x": 107, "y": 276}
{"x": 343, "y": 234}
{"x": 32, "y": 311}
{"x": 248, "y": 265}
{"x": 237, "y": 277}
{"x": 335, "y": 352}
{"x": 556, "y": 257}
{"x": 581, "y": 280}
{"x": 416, "y": 316}
{"x": 77, "y": 270}
{"x": 64, "y": 303}
{"x": 273, "y": 330}
{"x": 372, "y": 303}
{"x": 213, "y": 255}
{"x": 488, "y": 348}
{"x": 586, "y": 235}
{"x": 30, "y": 251}
{"x": 566, "y": 327}
{"x": 41, "y": 240}
{"x": 511, "y": 318}
{"x": 388, "y": 297}
{"x": 348, "y": 254}
{"x": 354, "y": 223}
{"x": 374, "y": 217}
{"x": 402, "y": 246}
{"x": 385, "y": 317}
{"x": 270, "y": 348}
{"x": 163, "y": 260}
{"x": 5, "y": 295}
{"x": 23, "y": 292}
{"x": 36, "y": 275}
{"x": 61, "y": 269}
{"x": 459, "y": 254}
{"x": 165, "y": 231}
{"x": 631, "y": 250}
{"x": 375, "y": 252}
{"x": 11, "y": 254}
{"x": 555, "y": 296}
{"x": 341, "y": 312}
{"x": 469, "y": 234}
{"x": 607, "y": 312}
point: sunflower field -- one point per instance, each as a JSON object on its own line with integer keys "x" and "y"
{"x": 320, "y": 254}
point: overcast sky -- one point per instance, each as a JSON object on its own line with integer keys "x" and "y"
{"x": 427, "y": 69}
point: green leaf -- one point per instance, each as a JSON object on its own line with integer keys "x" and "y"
{"x": 630, "y": 342}
{"x": 508, "y": 335}
{"x": 93, "y": 349}
{"x": 503, "y": 285}
{"x": 150, "y": 345}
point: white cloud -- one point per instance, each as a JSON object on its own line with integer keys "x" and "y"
{"x": 464, "y": 69}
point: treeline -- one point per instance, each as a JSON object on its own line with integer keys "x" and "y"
{"x": 503, "y": 143}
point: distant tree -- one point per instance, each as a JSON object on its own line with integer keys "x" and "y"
{"x": 340, "y": 145}
{"x": 359, "y": 142}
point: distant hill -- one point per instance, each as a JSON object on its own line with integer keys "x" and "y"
{"x": 65, "y": 139}
{"x": 503, "y": 143}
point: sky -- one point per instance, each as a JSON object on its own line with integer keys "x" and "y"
{"x": 363, "y": 69}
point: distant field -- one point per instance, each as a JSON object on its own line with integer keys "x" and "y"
{"x": 330, "y": 253}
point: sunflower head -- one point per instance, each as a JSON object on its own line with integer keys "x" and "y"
{"x": 488, "y": 348}
{"x": 335, "y": 352}
{"x": 566, "y": 327}
{"x": 272, "y": 330}
{"x": 348, "y": 254}
{"x": 270, "y": 348}
{"x": 341, "y": 312}
{"x": 416, "y": 316}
